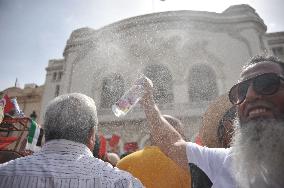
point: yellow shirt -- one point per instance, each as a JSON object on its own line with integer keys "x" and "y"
{"x": 154, "y": 169}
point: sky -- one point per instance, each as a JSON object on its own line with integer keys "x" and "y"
{"x": 34, "y": 31}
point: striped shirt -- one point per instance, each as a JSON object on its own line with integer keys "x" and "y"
{"x": 63, "y": 163}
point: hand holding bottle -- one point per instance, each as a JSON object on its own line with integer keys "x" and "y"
{"x": 131, "y": 97}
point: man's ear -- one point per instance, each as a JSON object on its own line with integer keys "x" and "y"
{"x": 91, "y": 139}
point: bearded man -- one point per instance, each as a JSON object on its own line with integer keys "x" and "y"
{"x": 256, "y": 157}
{"x": 259, "y": 141}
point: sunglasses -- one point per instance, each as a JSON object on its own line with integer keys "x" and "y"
{"x": 264, "y": 84}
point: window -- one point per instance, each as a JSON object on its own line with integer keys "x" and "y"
{"x": 54, "y": 76}
{"x": 57, "y": 89}
{"x": 112, "y": 90}
{"x": 278, "y": 51}
{"x": 59, "y": 76}
{"x": 162, "y": 82}
{"x": 202, "y": 83}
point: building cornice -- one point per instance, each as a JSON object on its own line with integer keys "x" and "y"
{"x": 54, "y": 68}
{"x": 237, "y": 14}
{"x": 275, "y": 34}
{"x": 234, "y": 16}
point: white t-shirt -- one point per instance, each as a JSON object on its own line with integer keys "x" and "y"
{"x": 215, "y": 162}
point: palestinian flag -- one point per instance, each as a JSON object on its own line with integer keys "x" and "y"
{"x": 34, "y": 137}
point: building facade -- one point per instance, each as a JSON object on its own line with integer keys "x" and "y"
{"x": 191, "y": 56}
{"x": 275, "y": 43}
{"x": 29, "y": 99}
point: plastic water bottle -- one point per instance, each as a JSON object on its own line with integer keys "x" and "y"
{"x": 130, "y": 98}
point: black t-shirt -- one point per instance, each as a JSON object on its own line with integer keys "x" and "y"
{"x": 198, "y": 178}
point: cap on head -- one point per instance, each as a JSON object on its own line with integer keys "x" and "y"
{"x": 70, "y": 117}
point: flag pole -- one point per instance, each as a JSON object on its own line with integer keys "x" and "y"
{"x": 16, "y": 82}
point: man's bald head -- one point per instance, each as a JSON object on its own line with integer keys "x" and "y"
{"x": 176, "y": 123}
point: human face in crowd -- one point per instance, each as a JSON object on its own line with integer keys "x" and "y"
{"x": 256, "y": 105}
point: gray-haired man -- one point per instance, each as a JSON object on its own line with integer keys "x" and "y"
{"x": 66, "y": 159}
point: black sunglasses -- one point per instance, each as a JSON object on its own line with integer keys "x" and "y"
{"x": 264, "y": 84}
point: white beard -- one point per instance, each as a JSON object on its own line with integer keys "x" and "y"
{"x": 258, "y": 154}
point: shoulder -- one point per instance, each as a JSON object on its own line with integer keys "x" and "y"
{"x": 196, "y": 152}
{"x": 18, "y": 165}
{"x": 190, "y": 146}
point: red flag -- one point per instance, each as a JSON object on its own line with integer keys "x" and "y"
{"x": 102, "y": 151}
{"x": 9, "y": 106}
{"x": 130, "y": 146}
{"x": 114, "y": 140}
{"x": 5, "y": 141}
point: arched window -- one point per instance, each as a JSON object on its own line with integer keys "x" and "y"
{"x": 162, "y": 81}
{"x": 202, "y": 83}
{"x": 112, "y": 90}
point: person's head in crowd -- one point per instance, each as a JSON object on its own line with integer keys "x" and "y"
{"x": 175, "y": 123}
{"x": 226, "y": 128}
{"x": 72, "y": 117}
{"x": 258, "y": 143}
{"x": 113, "y": 158}
{"x": 211, "y": 120}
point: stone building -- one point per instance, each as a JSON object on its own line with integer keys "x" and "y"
{"x": 191, "y": 56}
{"x": 275, "y": 43}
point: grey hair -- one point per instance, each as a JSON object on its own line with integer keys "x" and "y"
{"x": 70, "y": 117}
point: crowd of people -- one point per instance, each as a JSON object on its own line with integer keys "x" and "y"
{"x": 246, "y": 149}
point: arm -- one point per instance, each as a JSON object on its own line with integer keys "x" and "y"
{"x": 163, "y": 134}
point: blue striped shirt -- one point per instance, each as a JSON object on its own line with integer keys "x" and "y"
{"x": 63, "y": 163}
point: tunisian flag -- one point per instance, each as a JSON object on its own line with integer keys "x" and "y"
{"x": 5, "y": 141}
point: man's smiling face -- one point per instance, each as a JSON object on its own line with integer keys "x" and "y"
{"x": 256, "y": 105}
